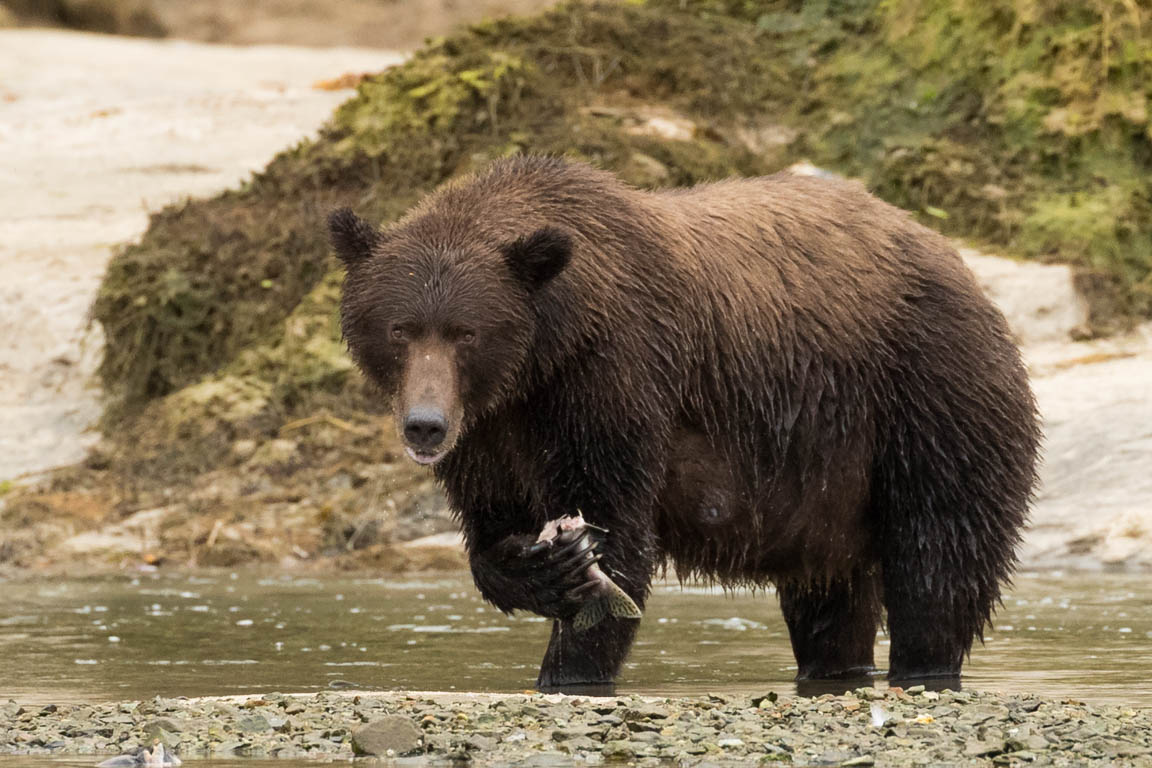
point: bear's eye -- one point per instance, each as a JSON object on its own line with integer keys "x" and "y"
{"x": 398, "y": 334}
{"x": 467, "y": 337}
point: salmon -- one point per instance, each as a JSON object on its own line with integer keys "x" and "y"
{"x": 604, "y": 599}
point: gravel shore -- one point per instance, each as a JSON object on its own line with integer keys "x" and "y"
{"x": 865, "y": 727}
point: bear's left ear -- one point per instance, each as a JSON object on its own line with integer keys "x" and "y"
{"x": 352, "y": 238}
{"x": 537, "y": 258}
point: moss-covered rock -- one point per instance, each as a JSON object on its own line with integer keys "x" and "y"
{"x": 1022, "y": 123}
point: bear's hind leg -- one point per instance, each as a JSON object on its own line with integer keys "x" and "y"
{"x": 950, "y": 497}
{"x": 940, "y": 594}
{"x": 832, "y": 625}
{"x": 946, "y": 546}
{"x": 932, "y": 624}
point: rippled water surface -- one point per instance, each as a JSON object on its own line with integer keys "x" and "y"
{"x": 1060, "y": 635}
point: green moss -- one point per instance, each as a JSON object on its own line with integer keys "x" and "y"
{"x": 1108, "y": 230}
{"x": 306, "y": 355}
{"x": 1025, "y": 121}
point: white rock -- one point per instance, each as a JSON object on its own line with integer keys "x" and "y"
{"x": 671, "y": 127}
{"x": 450, "y": 540}
{"x": 1039, "y": 300}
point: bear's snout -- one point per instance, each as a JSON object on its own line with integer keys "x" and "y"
{"x": 428, "y": 410}
{"x": 425, "y": 428}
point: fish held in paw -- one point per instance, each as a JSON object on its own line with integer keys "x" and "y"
{"x": 602, "y": 596}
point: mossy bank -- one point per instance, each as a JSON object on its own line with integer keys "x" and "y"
{"x": 1018, "y": 124}
{"x": 1023, "y": 124}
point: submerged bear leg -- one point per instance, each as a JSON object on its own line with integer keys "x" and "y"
{"x": 832, "y": 625}
{"x": 957, "y": 438}
{"x": 588, "y": 661}
{"x": 942, "y": 577}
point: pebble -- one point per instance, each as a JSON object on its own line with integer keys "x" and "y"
{"x": 962, "y": 728}
{"x": 387, "y": 737}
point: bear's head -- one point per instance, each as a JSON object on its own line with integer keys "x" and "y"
{"x": 442, "y": 318}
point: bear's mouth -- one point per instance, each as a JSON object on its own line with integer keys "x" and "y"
{"x": 424, "y": 457}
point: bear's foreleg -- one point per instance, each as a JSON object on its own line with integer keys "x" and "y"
{"x": 833, "y": 625}
{"x": 593, "y": 657}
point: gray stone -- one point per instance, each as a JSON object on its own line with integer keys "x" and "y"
{"x": 545, "y": 760}
{"x": 480, "y": 743}
{"x": 396, "y": 734}
{"x": 645, "y": 712}
{"x": 766, "y": 700}
{"x": 228, "y": 747}
{"x": 639, "y": 726}
{"x": 255, "y": 723}
{"x": 983, "y": 748}
{"x": 618, "y": 750}
{"x": 580, "y": 744}
{"x": 576, "y": 732}
{"x": 280, "y": 724}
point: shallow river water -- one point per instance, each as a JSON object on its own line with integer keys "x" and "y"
{"x": 1082, "y": 636}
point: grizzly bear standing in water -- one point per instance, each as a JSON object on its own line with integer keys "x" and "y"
{"x": 777, "y": 380}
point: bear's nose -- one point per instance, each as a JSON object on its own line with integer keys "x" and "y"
{"x": 424, "y": 428}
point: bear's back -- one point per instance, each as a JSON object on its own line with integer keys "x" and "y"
{"x": 817, "y": 257}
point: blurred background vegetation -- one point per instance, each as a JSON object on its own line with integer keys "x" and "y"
{"x": 1019, "y": 125}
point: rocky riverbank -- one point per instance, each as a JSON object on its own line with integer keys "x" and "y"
{"x": 865, "y": 727}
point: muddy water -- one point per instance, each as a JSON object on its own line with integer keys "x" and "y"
{"x": 1083, "y": 636}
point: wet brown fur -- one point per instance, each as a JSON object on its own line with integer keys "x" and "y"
{"x": 780, "y": 379}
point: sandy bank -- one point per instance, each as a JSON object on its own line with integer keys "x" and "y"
{"x": 96, "y": 132}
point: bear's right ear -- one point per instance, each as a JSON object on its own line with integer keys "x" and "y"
{"x": 352, "y": 238}
{"x": 537, "y": 258}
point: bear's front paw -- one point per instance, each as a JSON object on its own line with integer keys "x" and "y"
{"x": 555, "y": 573}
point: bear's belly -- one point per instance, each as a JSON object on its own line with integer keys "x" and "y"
{"x": 714, "y": 523}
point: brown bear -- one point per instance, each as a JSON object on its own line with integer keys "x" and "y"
{"x": 774, "y": 380}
